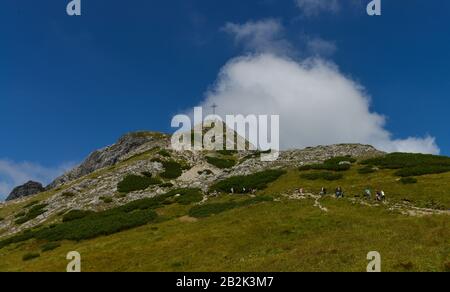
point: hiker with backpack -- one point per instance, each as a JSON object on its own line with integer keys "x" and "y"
{"x": 368, "y": 193}
{"x": 339, "y": 192}
{"x": 378, "y": 196}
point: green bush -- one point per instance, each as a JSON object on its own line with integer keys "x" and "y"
{"x": 30, "y": 256}
{"x": 324, "y": 175}
{"x": 172, "y": 170}
{"x": 20, "y": 214}
{"x": 24, "y": 236}
{"x": 146, "y": 174}
{"x": 366, "y": 170}
{"x": 227, "y": 152}
{"x": 245, "y": 184}
{"x": 408, "y": 180}
{"x": 31, "y": 204}
{"x": 412, "y": 164}
{"x": 207, "y": 210}
{"x": 133, "y": 183}
{"x": 107, "y": 200}
{"x": 76, "y": 214}
{"x": 221, "y": 162}
{"x": 422, "y": 170}
{"x": 50, "y": 246}
{"x": 34, "y": 212}
{"x": 166, "y": 185}
{"x": 164, "y": 153}
{"x": 68, "y": 194}
{"x": 330, "y": 167}
{"x": 99, "y": 224}
{"x": 187, "y": 196}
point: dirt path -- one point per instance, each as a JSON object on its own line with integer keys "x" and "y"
{"x": 298, "y": 196}
{"x": 404, "y": 208}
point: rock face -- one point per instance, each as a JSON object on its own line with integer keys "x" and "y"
{"x": 28, "y": 189}
{"x": 110, "y": 155}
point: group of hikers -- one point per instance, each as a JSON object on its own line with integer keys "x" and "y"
{"x": 339, "y": 193}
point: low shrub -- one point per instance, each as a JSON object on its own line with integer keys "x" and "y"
{"x": 221, "y": 162}
{"x": 164, "y": 153}
{"x": 146, "y": 174}
{"x": 227, "y": 152}
{"x": 324, "y": 175}
{"x": 121, "y": 195}
{"x": 34, "y": 212}
{"x": 404, "y": 160}
{"x": 99, "y": 224}
{"x": 166, "y": 185}
{"x": 107, "y": 200}
{"x": 61, "y": 213}
{"x": 245, "y": 184}
{"x": 412, "y": 164}
{"x": 30, "y": 256}
{"x": 76, "y": 214}
{"x": 207, "y": 210}
{"x": 187, "y": 196}
{"x": 31, "y": 204}
{"x": 422, "y": 170}
{"x": 50, "y": 246}
{"x": 172, "y": 170}
{"x": 133, "y": 183}
{"x": 20, "y": 214}
{"x": 68, "y": 195}
{"x": 366, "y": 170}
{"x": 408, "y": 180}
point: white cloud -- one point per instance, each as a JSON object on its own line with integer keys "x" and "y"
{"x": 13, "y": 174}
{"x": 320, "y": 47}
{"x": 260, "y": 36}
{"x": 317, "y": 104}
{"x": 314, "y": 7}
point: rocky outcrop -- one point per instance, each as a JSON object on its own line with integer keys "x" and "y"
{"x": 110, "y": 155}
{"x": 28, "y": 189}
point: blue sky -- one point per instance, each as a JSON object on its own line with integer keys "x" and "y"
{"x": 69, "y": 85}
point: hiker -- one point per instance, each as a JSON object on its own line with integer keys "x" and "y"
{"x": 232, "y": 190}
{"x": 301, "y": 191}
{"x": 383, "y": 196}
{"x": 339, "y": 193}
{"x": 323, "y": 191}
{"x": 368, "y": 193}
{"x": 378, "y": 196}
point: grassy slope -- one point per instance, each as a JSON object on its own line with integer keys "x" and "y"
{"x": 275, "y": 236}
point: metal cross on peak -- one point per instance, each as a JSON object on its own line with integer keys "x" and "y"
{"x": 214, "y": 106}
